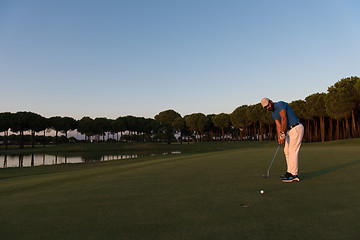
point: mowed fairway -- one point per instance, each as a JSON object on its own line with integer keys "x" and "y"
{"x": 197, "y": 196}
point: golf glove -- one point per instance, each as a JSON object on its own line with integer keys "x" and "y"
{"x": 282, "y": 135}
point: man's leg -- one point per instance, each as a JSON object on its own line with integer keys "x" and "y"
{"x": 286, "y": 151}
{"x": 293, "y": 143}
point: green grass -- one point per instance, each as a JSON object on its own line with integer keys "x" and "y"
{"x": 197, "y": 195}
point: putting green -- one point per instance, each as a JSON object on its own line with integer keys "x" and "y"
{"x": 195, "y": 196}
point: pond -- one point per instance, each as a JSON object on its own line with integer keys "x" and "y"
{"x": 32, "y": 160}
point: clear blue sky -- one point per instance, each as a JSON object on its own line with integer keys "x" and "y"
{"x": 140, "y": 57}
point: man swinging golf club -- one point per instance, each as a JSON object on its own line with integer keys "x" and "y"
{"x": 289, "y": 131}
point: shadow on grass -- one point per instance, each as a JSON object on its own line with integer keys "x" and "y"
{"x": 309, "y": 175}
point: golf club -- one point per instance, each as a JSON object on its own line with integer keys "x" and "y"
{"x": 268, "y": 171}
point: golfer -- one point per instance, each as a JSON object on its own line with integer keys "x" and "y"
{"x": 290, "y": 131}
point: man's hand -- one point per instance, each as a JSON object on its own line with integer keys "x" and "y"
{"x": 282, "y": 138}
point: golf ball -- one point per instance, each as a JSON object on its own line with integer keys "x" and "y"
{"x": 262, "y": 191}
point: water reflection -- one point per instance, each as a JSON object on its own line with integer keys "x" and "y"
{"x": 12, "y": 161}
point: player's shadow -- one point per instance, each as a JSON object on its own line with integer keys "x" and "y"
{"x": 309, "y": 175}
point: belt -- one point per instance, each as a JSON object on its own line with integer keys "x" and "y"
{"x": 294, "y": 125}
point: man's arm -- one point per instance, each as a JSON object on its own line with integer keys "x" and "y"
{"x": 278, "y": 127}
{"x": 283, "y": 120}
{"x": 281, "y": 126}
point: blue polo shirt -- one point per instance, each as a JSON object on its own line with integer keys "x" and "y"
{"x": 291, "y": 117}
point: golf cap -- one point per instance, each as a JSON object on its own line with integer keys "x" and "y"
{"x": 265, "y": 102}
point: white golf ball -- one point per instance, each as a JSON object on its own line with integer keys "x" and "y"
{"x": 262, "y": 191}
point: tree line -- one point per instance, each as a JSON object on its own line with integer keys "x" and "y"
{"x": 325, "y": 116}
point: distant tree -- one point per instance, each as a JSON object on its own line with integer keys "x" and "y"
{"x": 341, "y": 102}
{"x": 155, "y": 126}
{"x": 108, "y": 127}
{"x": 151, "y": 128}
{"x": 20, "y": 123}
{"x": 316, "y": 106}
{"x": 100, "y": 126}
{"x": 266, "y": 122}
{"x": 197, "y": 123}
{"x": 37, "y": 123}
{"x": 301, "y": 111}
{"x": 112, "y": 131}
{"x": 119, "y": 125}
{"x": 267, "y": 119}
{"x": 140, "y": 128}
{"x": 255, "y": 113}
{"x": 5, "y": 124}
{"x": 179, "y": 125}
{"x": 239, "y": 119}
{"x": 222, "y": 121}
{"x": 69, "y": 123}
{"x": 166, "y": 119}
{"x": 130, "y": 122}
{"x": 357, "y": 88}
{"x": 85, "y": 126}
{"x": 57, "y": 124}
{"x": 210, "y": 128}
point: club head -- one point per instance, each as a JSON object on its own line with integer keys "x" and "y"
{"x": 266, "y": 176}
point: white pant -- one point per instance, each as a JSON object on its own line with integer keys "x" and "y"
{"x": 292, "y": 147}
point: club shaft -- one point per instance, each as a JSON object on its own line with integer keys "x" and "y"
{"x": 268, "y": 171}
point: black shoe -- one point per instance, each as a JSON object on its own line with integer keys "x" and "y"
{"x": 291, "y": 178}
{"x": 286, "y": 175}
